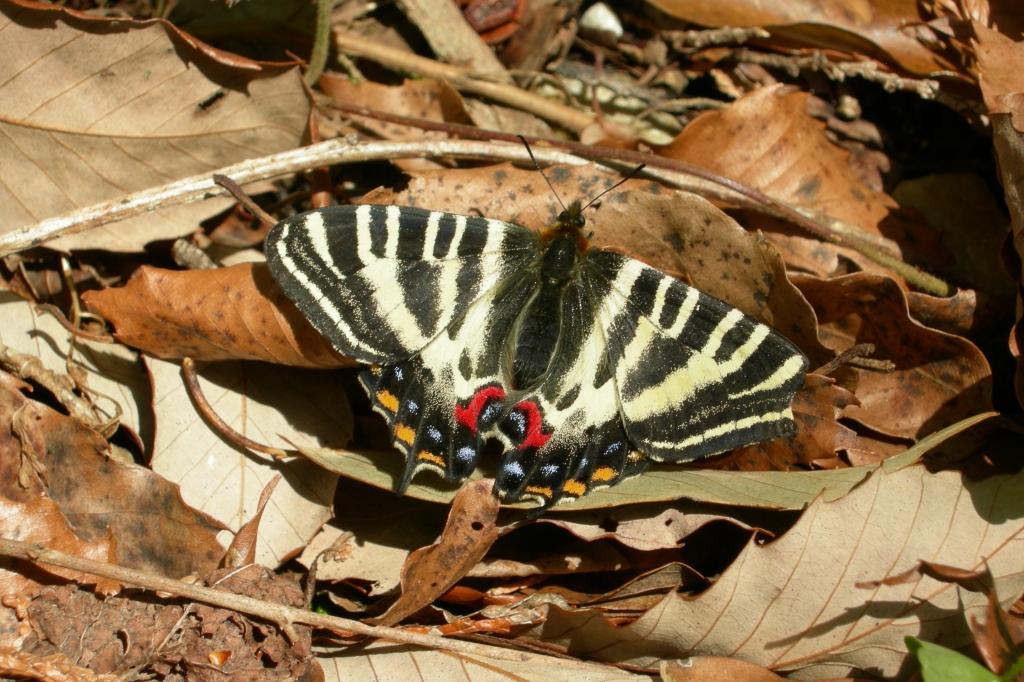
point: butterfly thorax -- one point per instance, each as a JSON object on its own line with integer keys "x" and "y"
{"x": 534, "y": 339}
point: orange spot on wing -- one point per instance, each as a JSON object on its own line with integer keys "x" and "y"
{"x": 544, "y": 492}
{"x": 574, "y": 488}
{"x": 425, "y": 456}
{"x": 404, "y": 433}
{"x": 603, "y": 474}
{"x": 388, "y": 400}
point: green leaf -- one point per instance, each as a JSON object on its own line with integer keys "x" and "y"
{"x": 939, "y": 664}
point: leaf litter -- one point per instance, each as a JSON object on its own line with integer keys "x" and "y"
{"x": 801, "y": 556}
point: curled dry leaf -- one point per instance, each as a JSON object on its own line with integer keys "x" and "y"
{"x": 795, "y": 603}
{"x": 819, "y": 436}
{"x": 430, "y": 571}
{"x": 939, "y": 378}
{"x": 873, "y": 28}
{"x": 90, "y": 505}
{"x": 94, "y": 109}
{"x": 110, "y": 378}
{"x": 768, "y": 140}
{"x": 236, "y": 313}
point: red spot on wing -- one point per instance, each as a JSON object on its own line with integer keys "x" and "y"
{"x": 469, "y": 415}
{"x": 535, "y": 436}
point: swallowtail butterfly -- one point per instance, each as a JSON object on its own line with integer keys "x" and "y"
{"x": 585, "y": 364}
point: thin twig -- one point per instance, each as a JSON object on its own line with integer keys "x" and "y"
{"x": 244, "y": 199}
{"x": 278, "y": 614}
{"x": 463, "y": 80}
{"x": 195, "y": 392}
{"x": 197, "y": 187}
{"x": 321, "y": 42}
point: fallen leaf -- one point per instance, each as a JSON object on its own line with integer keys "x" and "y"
{"x": 272, "y": 406}
{"x": 938, "y": 378}
{"x": 90, "y": 505}
{"x": 768, "y": 140}
{"x": 385, "y": 661}
{"x": 876, "y": 28}
{"x": 94, "y": 109}
{"x": 235, "y": 313}
{"x": 795, "y": 605}
{"x": 430, "y": 571}
{"x": 113, "y": 372}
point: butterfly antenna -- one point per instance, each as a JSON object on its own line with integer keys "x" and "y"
{"x": 541, "y": 170}
{"x": 628, "y": 176}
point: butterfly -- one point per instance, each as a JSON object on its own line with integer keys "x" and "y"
{"x": 585, "y": 364}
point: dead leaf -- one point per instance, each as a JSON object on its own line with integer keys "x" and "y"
{"x": 242, "y": 550}
{"x": 116, "y": 380}
{"x": 873, "y": 28}
{"x": 768, "y": 140}
{"x": 646, "y": 528}
{"x": 270, "y": 405}
{"x": 235, "y": 313}
{"x": 94, "y": 109}
{"x": 429, "y": 571}
{"x": 385, "y": 661}
{"x": 939, "y": 378}
{"x": 93, "y": 506}
{"x": 794, "y": 604}
{"x": 387, "y": 527}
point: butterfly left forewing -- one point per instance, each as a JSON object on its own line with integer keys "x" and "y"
{"x": 426, "y": 297}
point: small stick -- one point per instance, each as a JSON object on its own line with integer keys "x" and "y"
{"x": 279, "y": 614}
{"x": 195, "y": 391}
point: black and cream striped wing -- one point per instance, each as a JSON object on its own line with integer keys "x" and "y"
{"x": 381, "y": 282}
{"x": 427, "y": 298}
{"x": 693, "y": 375}
{"x": 648, "y": 368}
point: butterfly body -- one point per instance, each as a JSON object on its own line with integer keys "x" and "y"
{"x": 585, "y": 364}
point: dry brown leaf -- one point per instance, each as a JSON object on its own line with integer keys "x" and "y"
{"x": 386, "y": 528}
{"x": 998, "y": 636}
{"x": 877, "y": 28}
{"x": 714, "y": 669}
{"x": 429, "y": 571}
{"x": 999, "y": 78}
{"x": 768, "y": 140}
{"x": 385, "y": 662}
{"x": 87, "y": 504}
{"x": 795, "y": 604}
{"x": 93, "y": 109}
{"x": 643, "y": 527}
{"x": 111, "y": 378}
{"x": 939, "y": 378}
{"x": 819, "y": 435}
{"x": 236, "y": 313}
{"x": 271, "y": 405}
{"x": 242, "y": 550}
